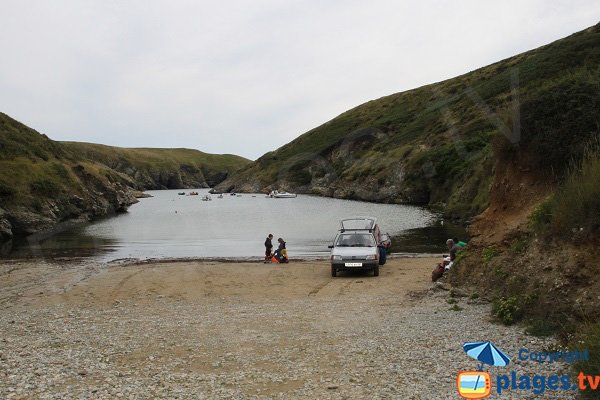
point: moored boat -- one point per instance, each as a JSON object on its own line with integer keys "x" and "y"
{"x": 281, "y": 195}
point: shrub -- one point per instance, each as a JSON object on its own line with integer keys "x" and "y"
{"x": 519, "y": 246}
{"x": 300, "y": 177}
{"x": 6, "y": 190}
{"x": 60, "y": 170}
{"x": 541, "y": 217}
{"x": 577, "y": 203}
{"x": 542, "y": 327}
{"x": 45, "y": 187}
{"x": 488, "y": 254}
{"x": 500, "y": 273}
{"x": 507, "y": 310}
{"x": 558, "y": 119}
{"x": 461, "y": 255}
{"x": 37, "y": 204}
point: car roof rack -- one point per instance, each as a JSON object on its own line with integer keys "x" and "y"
{"x": 358, "y": 224}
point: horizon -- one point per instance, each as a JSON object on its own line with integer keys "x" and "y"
{"x": 243, "y": 123}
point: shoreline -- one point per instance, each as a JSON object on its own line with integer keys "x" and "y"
{"x": 169, "y": 260}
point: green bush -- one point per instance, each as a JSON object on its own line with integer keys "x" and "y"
{"x": 6, "y": 190}
{"x": 460, "y": 255}
{"x": 577, "y": 203}
{"x": 300, "y": 177}
{"x": 541, "y": 217}
{"x": 558, "y": 118}
{"x": 37, "y": 204}
{"x": 542, "y": 327}
{"x": 488, "y": 254}
{"x": 500, "y": 273}
{"x": 519, "y": 246}
{"x": 61, "y": 171}
{"x": 507, "y": 310}
{"x": 45, "y": 187}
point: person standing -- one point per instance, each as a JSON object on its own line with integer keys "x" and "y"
{"x": 268, "y": 248}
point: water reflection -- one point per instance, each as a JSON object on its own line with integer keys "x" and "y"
{"x": 428, "y": 239}
{"x": 74, "y": 242}
{"x": 169, "y": 225}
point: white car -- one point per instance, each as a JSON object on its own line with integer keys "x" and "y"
{"x": 354, "y": 247}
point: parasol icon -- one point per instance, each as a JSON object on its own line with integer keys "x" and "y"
{"x": 486, "y": 353}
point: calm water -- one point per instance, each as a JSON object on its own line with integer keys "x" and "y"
{"x": 168, "y": 225}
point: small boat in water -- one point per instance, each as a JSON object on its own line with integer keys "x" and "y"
{"x": 281, "y": 195}
{"x": 181, "y": 193}
{"x": 206, "y": 198}
{"x": 193, "y": 193}
{"x": 220, "y": 196}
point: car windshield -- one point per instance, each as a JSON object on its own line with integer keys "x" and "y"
{"x": 355, "y": 240}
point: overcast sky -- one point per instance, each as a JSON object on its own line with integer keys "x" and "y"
{"x": 244, "y": 77}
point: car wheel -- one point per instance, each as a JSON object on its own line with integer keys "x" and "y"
{"x": 333, "y": 272}
{"x": 376, "y": 271}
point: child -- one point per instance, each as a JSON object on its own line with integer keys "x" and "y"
{"x": 268, "y": 248}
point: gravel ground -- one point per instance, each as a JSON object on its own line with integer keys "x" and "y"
{"x": 325, "y": 344}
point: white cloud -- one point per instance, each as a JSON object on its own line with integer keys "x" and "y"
{"x": 244, "y": 77}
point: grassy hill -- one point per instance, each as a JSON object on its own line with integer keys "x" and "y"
{"x": 153, "y": 168}
{"x": 44, "y": 182}
{"x": 439, "y": 144}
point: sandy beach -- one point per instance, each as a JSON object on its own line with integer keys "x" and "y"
{"x": 200, "y": 329}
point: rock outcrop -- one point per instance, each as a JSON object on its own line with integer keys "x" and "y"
{"x": 5, "y": 226}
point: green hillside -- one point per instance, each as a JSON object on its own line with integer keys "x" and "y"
{"x": 439, "y": 144}
{"x": 153, "y": 168}
{"x": 512, "y": 147}
{"x": 44, "y": 182}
